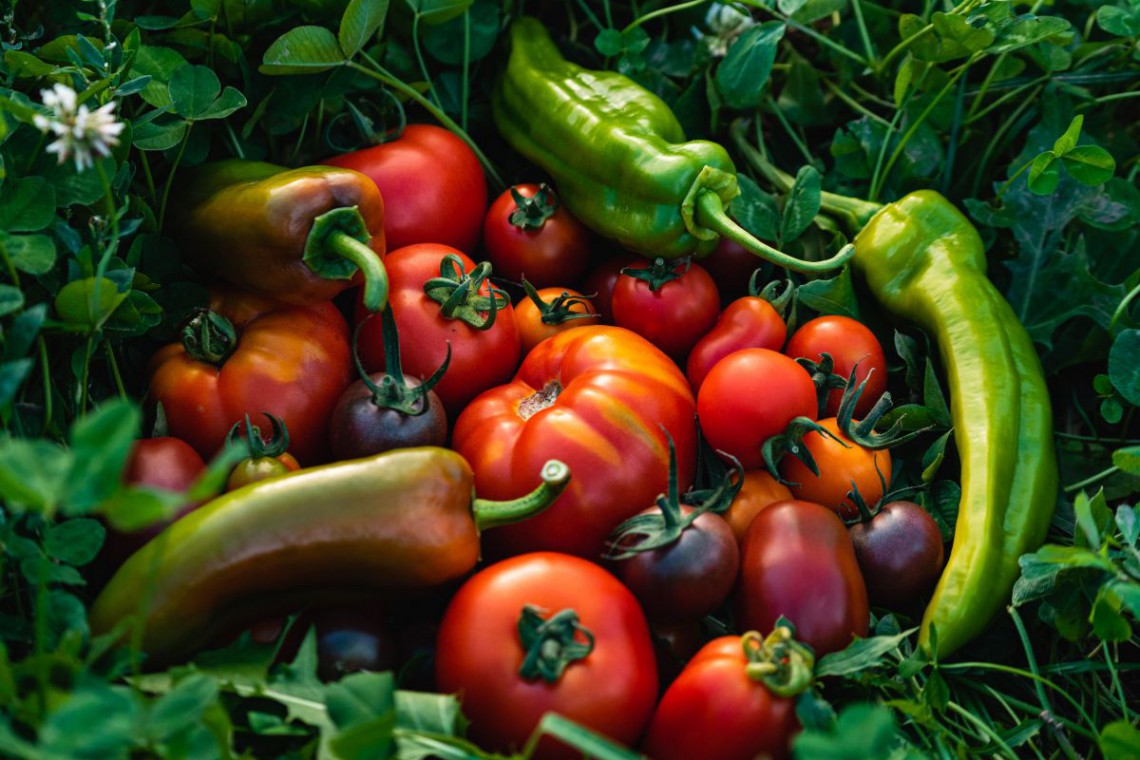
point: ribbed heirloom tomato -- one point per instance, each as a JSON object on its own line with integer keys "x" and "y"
{"x": 601, "y": 399}
{"x": 547, "y": 632}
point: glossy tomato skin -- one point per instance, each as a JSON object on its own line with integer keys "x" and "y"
{"x": 673, "y": 317}
{"x": 256, "y": 469}
{"x": 359, "y": 427}
{"x": 758, "y": 490}
{"x": 690, "y": 577}
{"x": 847, "y": 341}
{"x": 900, "y": 552}
{"x": 433, "y": 187}
{"x": 748, "y": 322}
{"x": 749, "y": 396}
{"x": 610, "y": 398}
{"x": 480, "y": 359}
{"x": 798, "y": 562}
{"x": 290, "y": 361}
{"x": 841, "y": 463}
{"x": 602, "y": 279}
{"x": 558, "y": 251}
{"x": 532, "y": 330}
{"x": 612, "y": 690}
{"x": 714, "y": 711}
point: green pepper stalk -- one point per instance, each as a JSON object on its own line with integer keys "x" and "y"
{"x": 619, "y": 156}
{"x": 297, "y": 235}
{"x": 924, "y": 262}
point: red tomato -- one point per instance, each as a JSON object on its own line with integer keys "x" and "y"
{"x": 600, "y": 282}
{"x": 798, "y": 562}
{"x": 480, "y": 359}
{"x": 534, "y": 327}
{"x": 750, "y": 396}
{"x": 848, "y": 342}
{"x": 547, "y": 247}
{"x": 748, "y": 322}
{"x": 714, "y": 711}
{"x": 432, "y": 183}
{"x": 674, "y": 316}
{"x": 842, "y": 467}
{"x": 601, "y": 399}
{"x": 611, "y": 690}
{"x": 290, "y": 361}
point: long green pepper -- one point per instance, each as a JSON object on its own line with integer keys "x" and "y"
{"x": 619, "y": 156}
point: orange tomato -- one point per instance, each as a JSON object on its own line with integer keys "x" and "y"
{"x": 533, "y": 328}
{"x": 842, "y": 467}
{"x": 758, "y": 490}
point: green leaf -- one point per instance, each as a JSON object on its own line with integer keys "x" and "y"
{"x": 933, "y": 456}
{"x": 87, "y": 303}
{"x": 362, "y": 706}
{"x": 1026, "y": 30}
{"x": 743, "y": 74}
{"x": 1067, "y": 141}
{"x": 361, "y": 21}
{"x": 904, "y": 77}
{"x": 131, "y": 509}
{"x": 1127, "y": 459}
{"x": 1120, "y": 740}
{"x": 582, "y": 739}
{"x": 438, "y": 11}
{"x": 1111, "y": 410}
{"x": 933, "y": 398}
{"x": 156, "y": 136}
{"x": 833, "y": 295}
{"x": 12, "y": 375}
{"x": 957, "y": 37}
{"x": 100, "y": 442}
{"x": 801, "y": 205}
{"x": 1107, "y": 621}
{"x": 33, "y": 254}
{"x": 75, "y": 542}
{"x": 96, "y": 720}
{"x": 159, "y": 63}
{"x": 33, "y": 473}
{"x": 11, "y": 299}
{"x": 304, "y": 50}
{"x": 27, "y": 65}
{"x": 229, "y": 101}
{"x": 484, "y": 19}
{"x": 1044, "y": 174}
{"x": 1123, "y": 360}
{"x": 755, "y": 210}
{"x": 1128, "y": 518}
{"x": 608, "y": 42}
{"x": 186, "y": 704}
{"x": 1093, "y": 518}
{"x": 193, "y": 89}
{"x": 861, "y": 655}
{"x": 26, "y": 204}
{"x": 1090, "y": 165}
{"x": 863, "y": 730}
{"x": 1122, "y": 22}
{"x": 1102, "y": 384}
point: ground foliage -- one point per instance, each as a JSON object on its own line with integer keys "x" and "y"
{"x": 1022, "y": 113}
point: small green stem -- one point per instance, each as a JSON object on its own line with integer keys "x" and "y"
{"x": 83, "y": 378}
{"x": 45, "y": 370}
{"x": 491, "y": 514}
{"x": 709, "y": 214}
{"x": 1002, "y": 100}
{"x": 170, "y": 176}
{"x": 1092, "y": 480}
{"x": 872, "y": 54}
{"x": 1123, "y": 307}
{"x": 791, "y": 132}
{"x": 902, "y": 47}
{"x": 663, "y": 12}
{"x": 114, "y": 363}
{"x": 853, "y": 104}
{"x": 983, "y": 729}
{"x": 375, "y": 274}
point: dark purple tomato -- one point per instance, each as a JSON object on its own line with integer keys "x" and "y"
{"x": 900, "y": 553}
{"x": 359, "y": 427}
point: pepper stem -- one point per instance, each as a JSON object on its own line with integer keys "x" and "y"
{"x": 209, "y": 338}
{"x": 492, "y": 514}
{"x": 551, "y": 644}
{"x": 337, "y": 247}
{"x": 375, "y": 275}
{"x": 785, "y": 666}
{"x": 709, "y": 213}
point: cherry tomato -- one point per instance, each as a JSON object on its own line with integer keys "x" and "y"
{"x": 748, "y": 322}
{"x": 540, "y": 240}
{"x": 562, "y": 304}
{"x": 688, "y": 578}
{"x": 900, "y": 552}
{"x": 714, "y": 711}
{"x": 798, "y": 562}
{"x": 610, "y": 688}
{"x": 672, "y": 316}
{"x": 433, "y": 187}
{"x": 602, "y": 279}
{"x": 750, "y": 396}
{"x": 480, "y": 358}
{"x": 260, "y": 468}
{"x": 267, "y": 455}
{"x": 359, "y": 427}
{"x": 847, "y": 341}
{"x": 758, "y": 490}
{"x": 843, "y": 466}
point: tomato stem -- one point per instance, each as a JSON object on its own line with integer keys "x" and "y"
{"x": 210, "y": 338}
{"x": 782, "y": 664}
{"x": 551, "y": 644}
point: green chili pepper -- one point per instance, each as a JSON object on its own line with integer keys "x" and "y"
{"x": 298, "y": 235}
{"x": 395, "y": 522}
{"x": 924, "y": 262}
{"x": 619, "y": 156}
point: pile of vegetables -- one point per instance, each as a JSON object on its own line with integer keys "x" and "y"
{"x": 472, "y": 379}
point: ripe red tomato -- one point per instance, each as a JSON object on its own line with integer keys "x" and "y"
{"x": 847, "y": 341}
{"x": 601, "y": 399}
{"x": 798, "y": 562}
{"x": 674, "y": 316}
{"x": 480, "y": 653}
{"x": 433, "y": 187}
{"x": 533, "y": 324}
{"x": 750, "y": 396}
{"x": 714, "y": 711}
{"x": 541, "y": 241}
{"x": 290, "y": 361}
{"x": 748, "y": 322}
{"x": 480, "y": 359}
{"x": 842, "y": 468}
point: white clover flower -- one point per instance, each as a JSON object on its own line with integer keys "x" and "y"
{"x": 80, "y": 132}
{"x": 726, "y": 23}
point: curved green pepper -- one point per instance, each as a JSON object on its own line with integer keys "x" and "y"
{"x": 925, "y": 262}
{"x": 297, "y": 235}
{"x": 619, "y": 156}
{"x": 396, "y": 522}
